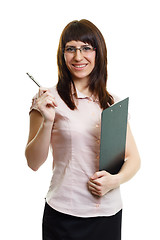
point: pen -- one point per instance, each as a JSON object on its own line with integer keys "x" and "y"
{"x": 33, "y": 80}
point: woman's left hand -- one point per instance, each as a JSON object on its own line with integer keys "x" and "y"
{"x": 102, "y": 182}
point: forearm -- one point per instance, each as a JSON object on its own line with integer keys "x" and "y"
{"x": 37, "y": 149}
{"x": 132, "y": 164}
{"x": 129, "y": 169}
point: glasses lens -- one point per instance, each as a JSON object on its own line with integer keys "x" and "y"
{"x": 87, "y": 49}
{"x": 84, "y": 49}
{"x": 70, "y": 49}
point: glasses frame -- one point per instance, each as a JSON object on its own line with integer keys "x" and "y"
{"x": 79, "y": 48}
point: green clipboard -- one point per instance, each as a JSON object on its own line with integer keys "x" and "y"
{"x": 113, "y": 137}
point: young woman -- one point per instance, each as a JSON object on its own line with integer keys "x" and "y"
{"x": 82, "y": 202}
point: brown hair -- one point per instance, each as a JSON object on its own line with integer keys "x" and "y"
{"x": 87, "y": 32}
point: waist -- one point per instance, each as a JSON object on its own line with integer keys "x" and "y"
{"x": 69, "y": 194}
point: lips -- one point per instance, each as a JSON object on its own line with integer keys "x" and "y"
{"x": 79, "y": 66}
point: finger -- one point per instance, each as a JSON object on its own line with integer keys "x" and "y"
{"x": 95, "y": 186}
{"x": 51, "y": 102}
{"x": 92, "y": 189}
{"x": 42, "y": 90}
{"x": 48, "y": 95}
{"x": 42, "y": 103}
{"x": 98, "y": 175}
{"x": 46, "y": 101}
{"x": 96, "y": 194}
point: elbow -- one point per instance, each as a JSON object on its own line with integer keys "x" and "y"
{"x": 34, "y": 159}
{"x": 30, "y": 163}
{"x": 139, "y": 164}
{"x": 34, "y": 168}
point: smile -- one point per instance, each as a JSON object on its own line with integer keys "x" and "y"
{"x": 79, "y": 66}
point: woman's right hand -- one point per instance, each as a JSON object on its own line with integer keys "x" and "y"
{"x": 46, "y": 104}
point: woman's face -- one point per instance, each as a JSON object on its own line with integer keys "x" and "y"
{"x": 80, "y": 62}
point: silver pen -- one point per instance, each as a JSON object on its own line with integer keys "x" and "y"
{"x": 33, "y": 80}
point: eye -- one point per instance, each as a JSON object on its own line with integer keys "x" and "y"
{"x": 87, "y": 48}
{"x": 70, "y": 49}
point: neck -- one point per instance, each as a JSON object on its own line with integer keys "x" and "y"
{"x": 82, "y": 87}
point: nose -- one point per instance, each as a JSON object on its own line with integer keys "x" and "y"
{"x": 78, "y": 55}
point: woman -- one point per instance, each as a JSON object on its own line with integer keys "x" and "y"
{"x": 82, "y": 202}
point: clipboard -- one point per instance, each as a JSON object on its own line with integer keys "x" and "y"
{"x": 113, "y": 136}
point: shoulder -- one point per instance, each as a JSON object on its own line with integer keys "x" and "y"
{"x": 115, "y": 97}
{"x": 118, "y": 99}
{"x": 53, "y": 90}
{"x": 61, "y": 104}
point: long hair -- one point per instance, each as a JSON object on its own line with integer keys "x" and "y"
{"x": 86, "y": 32}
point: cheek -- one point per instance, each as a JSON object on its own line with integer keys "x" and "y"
{"x": 93, "y": 60}
{"x": 67, "y": 61}
{"x": 92, "y": 63}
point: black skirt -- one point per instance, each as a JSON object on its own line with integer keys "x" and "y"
{"x": 59, "y": 226}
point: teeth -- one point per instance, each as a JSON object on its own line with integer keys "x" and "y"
{"x": 80, "y": 66}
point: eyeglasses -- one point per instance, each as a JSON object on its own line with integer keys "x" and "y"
{"x": 87, "y": 49}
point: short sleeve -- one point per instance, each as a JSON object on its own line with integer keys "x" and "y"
{"x": 117, "y": 99}
{"x": 34, "y": 104}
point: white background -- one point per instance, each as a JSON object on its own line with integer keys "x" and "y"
{"x": 30, "y": 32}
